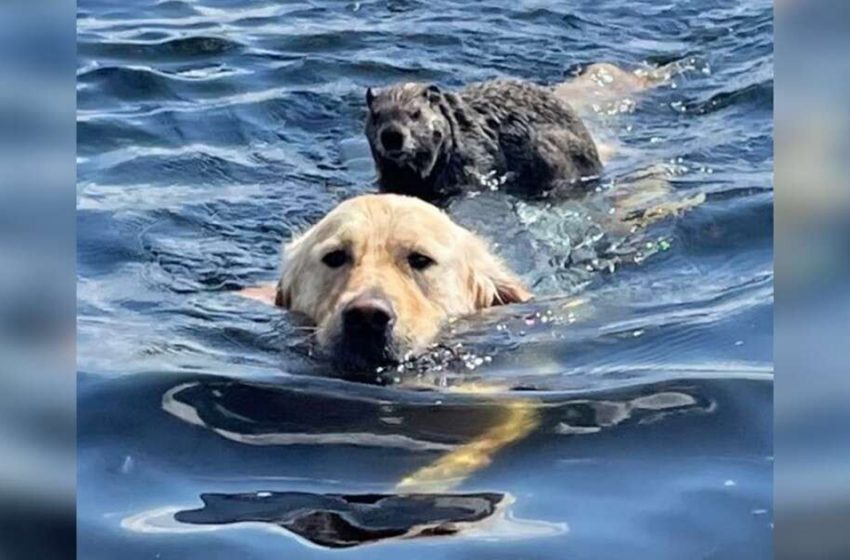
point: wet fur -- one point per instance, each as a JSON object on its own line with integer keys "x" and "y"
{"x": 379, "y": 232}
{"x": 471, "y": 138}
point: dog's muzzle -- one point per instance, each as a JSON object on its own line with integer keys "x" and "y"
{"x": 366, "y": 337}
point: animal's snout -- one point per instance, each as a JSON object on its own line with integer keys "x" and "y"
{"x": 392, "y": 139}
{"x": 366, "y": 338}
{"x": 368, "y": 317}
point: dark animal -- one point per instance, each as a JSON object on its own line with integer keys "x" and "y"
{"x": 432, "y": 144}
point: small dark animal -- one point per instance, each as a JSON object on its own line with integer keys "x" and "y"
{"x": 433, "y": 144}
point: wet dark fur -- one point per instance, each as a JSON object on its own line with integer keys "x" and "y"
{"x": 469, "y": 139}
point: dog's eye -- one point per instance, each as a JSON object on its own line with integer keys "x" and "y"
{"x": 335, "y": 259}
{"x": 415, "y": 114}
{"x": 418, "y": 261}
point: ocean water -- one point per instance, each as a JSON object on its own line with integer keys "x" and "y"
{"x": 632, "y": 409}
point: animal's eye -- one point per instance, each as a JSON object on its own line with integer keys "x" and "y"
{"x": 335, "y": 259}
{"x": 418, "y": 261}
{"x": 415, "y": 114}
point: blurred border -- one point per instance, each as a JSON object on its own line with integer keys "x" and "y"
{"x": 812, "y": 492}
{"x": 37, "y": 279}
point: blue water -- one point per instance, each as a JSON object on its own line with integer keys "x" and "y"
{"x": 209, "y": 131}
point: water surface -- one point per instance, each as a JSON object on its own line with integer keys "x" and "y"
{"x": 209, "y": 131}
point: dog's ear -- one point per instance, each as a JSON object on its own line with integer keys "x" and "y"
{"x": 500, "y": 287}
{"x": 433, "y": 93}
{"x": 282, "y": 296}
{"x": 292, "y": 257}
{"x": 370, "y": 98}
{"x": 492, "y": 282}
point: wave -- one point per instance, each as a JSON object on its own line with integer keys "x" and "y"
{"x": 758, "y": 95}
{"x": 169, "y": 50}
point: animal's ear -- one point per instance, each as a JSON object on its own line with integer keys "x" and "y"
{"x": 290, "y": 266}
{"x": 503, "y": 288}
{"x": 370, "y": 97}
{"x": 493, "y": 283}
{"x": 282, "y": 296}
{"x": 433, "y": 93}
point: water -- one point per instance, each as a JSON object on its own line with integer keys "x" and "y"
{"x": 209, "y": 131}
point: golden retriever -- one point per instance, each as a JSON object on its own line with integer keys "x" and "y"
{"x": 382, "y": 273}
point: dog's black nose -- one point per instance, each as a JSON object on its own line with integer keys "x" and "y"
{"x": 368, "y": 317}
{"x": 392, "y": 139}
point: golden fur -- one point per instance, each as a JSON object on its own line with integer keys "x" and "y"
{"x": 378, "y": 234}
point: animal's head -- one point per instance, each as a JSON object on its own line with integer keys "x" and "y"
{"x": 409, "y": 130}
{"x": 380, "y": 274}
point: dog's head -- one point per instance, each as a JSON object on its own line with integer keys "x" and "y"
{"x": 380, "y": 274}
{"x": 409, "y": 132}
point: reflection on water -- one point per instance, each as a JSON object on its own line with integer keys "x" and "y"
{"x": 518, "y": 419}
{"x": 338, "y": 521}
{"x": 626, "y": 412}
{"x": 341, "y": 468}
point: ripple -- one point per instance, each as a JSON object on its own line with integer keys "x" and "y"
{"x": 753, "y": 96}
{"x": 128, "y": 83}
{"x": 177, "y": 49}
